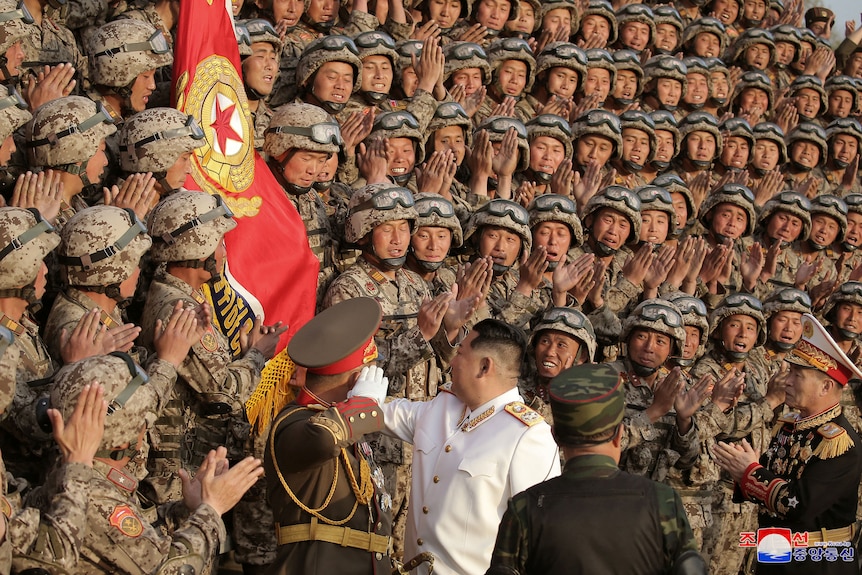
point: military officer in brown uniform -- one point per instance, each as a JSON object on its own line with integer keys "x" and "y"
{"x": 332, "y": 512}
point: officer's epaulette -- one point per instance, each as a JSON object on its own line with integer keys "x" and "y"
{"x": 790, "y": 417}
{"x": 836, "y": 441}
{"x": 524, "y": 414}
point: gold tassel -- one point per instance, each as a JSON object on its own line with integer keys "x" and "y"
{"x": 834, "y": 446}
{"x": 272, "y": 393}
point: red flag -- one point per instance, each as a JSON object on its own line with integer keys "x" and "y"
{"x": 270, "y": 264}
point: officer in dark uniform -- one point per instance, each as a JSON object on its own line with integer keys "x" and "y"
{"x": 332, "y": 514}
{"x": 573, "y": 524}
{"x": 807, "y": 479}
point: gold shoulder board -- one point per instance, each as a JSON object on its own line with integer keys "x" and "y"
{"x": 526, "y": 415}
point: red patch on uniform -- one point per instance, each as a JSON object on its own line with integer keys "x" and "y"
{"x": 124, "y": 519}
{"x": 209, "y": 340}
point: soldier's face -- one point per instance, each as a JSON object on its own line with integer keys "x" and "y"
{"x": 757, "y": 56}
{"x": 636, "y": 146}
{"x": 14, "y": 58}
{"x": 322, "y": 10}
{"x": 177, "y": 174}
{"x": 692, "y": 341}
{"x": 734, "y": 154}
{"x": 333, "y": 82}
{"x": 840, "y": 103}
{"x": 854, "y": 229}
{"x": 848, "y": 316}
{"x": 445, "y": 12}
{"x": 853, "y": 67}
{"x": 142, "y": 88}
{"x": 697, "y": 90}
{"x": 289, "y": 11}
{"x": 303, "y": 167}
{"x": 649, "y": 348}
{"x": 330, "y": 166}
{"x": 259, "y": 69}
{"x": 805, "y": 153}
{"x": 720, "y": 85}
{"x": 470, "y": 78}
{"x": 451, "y": 138}
{"x": 598, "y": 83}
{"x": 96, "y": 164}
{"x": 376, "y": 74}
{"x": 845, "y": 148}
{"x": 493, "y": 13}
{"x": 753, "y": 98}
{"x": 701, "y": 146}
{"x": 666, "y": 37}
{"x": 824, "y": 229}
{"x": 7, "y": 148}
{"x": 784, "y": 53}
{"x": 754, "y": 9}
{"x": 512, "y": 77}
{"x": 401, "y": 155}
{"x": 680, "y": 207}
{"x": 593, "y": 147}
{"x": 555, "y": 237}
{"x": 562, "y": 82}
{"x": 526, "y": 19}
{"x": 786, "y": 327}
{"x": 501, "y": 244}
{"x": 626, "y": 86}
{"x": 556, "y": 19}
{"x": 664, "y": 148}
{"x": 595, "y": 26}
{"x": 635, "y": 35}
{"x": 807, "y": 102}
{"x": 431, "y": 244}
{"x": 391, "y": 239}
{"x": 766, "y": 155}
{"x": 546, "y": 154}
{"x": 409, "y": 81}
{"x": 821, "y": 29}
{"x": 655, "y": 226}
{"x": 610, "y": 227}
{"x": 554, "y": 351}
{"x": 739, "y": 333}
{"x": 668, "y": 91}
{"x": 726, "y": 11}
{"x": 707, "y": 45}
{"x": 784, "y": 227}
{"x": 729, "y": 220}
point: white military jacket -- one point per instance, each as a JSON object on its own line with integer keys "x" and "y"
{"x": 466, "y": 466}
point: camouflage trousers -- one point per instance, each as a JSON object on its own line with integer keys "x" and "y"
{"x": 253, "y": 532}
{"x": 698, "y": 507}
{"x": 721, "y": 543}
{"x": 398, "y": 477}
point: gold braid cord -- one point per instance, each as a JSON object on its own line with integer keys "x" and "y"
{"x": 272, "y": 393}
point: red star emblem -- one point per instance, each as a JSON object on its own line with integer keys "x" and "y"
{"x": 222, "y": 126}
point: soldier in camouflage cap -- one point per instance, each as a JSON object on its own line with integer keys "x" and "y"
{"x": 843, "y": 97}
{"x": 810, "y": 97}
{"x": 337, "y": 57}
{"x": 260, "y": 73}
{"x": 161, "y": 141}
{"x": 770, "y": 150}
{"x": 376, "y": 204}
{"x": 639, "y": 143}
{"x": 752, "y": 90}
{"x": 660, "y": 316}
{"x": 550, "y": 139}
{"x": 754, "y": 49}
{"x": 560, "y": 71}
{"x": 739, "y": 304}
{"x": 796, "y": 210}
{"x": 667, "y": 141}
{"x": 713, "y": 41}
{"x": 124, "y": 56}
{"x": 555, "y": 14}
{"x": 719, "y": 76}
{"x": 669, "y": 27}
{"x": 437, "y": 232}
{"x": 591, "y": 26}
{"x": 637, "y": 27}
{"x": 783, "y": 311}
{"x": 588, "y": 404}
{"x": 378, "y": 55}
{"x": 629, "y": 79}
{"x": 683, "y": 201}
{"x": 600, "y": 77}
{"x": 658, "y": 216}
{"x": 701, "y": 142}
{"x": 828, "y": 223}
{"x": 598, "y": 138}
{"x": 13, "y": 115}
{"x": 513, "y": 71}
{"x": 737, "y": 146}
{"x": 498, "y": 126}
{"x": 553, "y": 208}
{"x": 12, "y": 32}
{"x": 624, "y": 202}
{"x": 68, "y": 134}
{"x": 698, "y": 84}
{"x": 729, "y": 194}
{"x": 842, "y": 311}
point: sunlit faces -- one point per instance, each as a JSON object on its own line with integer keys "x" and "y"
{"x": 236, "y": 6}
{"x": 635, "y": 35}
{"x": 808, "y": 103}
{"x": 806, "y": 154}
{"x": 322, "y": 11}
{"x": 470, "y": 78}
{"x": 610, "y": 227}
{"x": 526, "y": 21}
{"x": 701, "y": 146}
{"x": 259, "y": 69}
{"x": 824, "y": 229}
{"x": 821, "y": 28}
{"x": 553, "y": 350}
{"x": 636, "y": 146}
{"x": 848, "y": 316}
{"x": 557, "y": 19}
{"x": 649, "y": 348}
{"x": 707, "y": 45}
{"x": 493, "y": 14}
{"x": 853, "y": 67}
{"x": 14, "y": 58}
{"x": 512, "y": 77}
{"x": 765, "y": 155}
{"x": 626, "y": 85}
{"x": 840, "y": 103}
{"x": 555, "y": 237}
{"x": 738, "y": 333}
{"x": 804, "y": 390}
{"x": 176, "y": 175}
{"x": 593, "y": 147}
{"x": 754, "y": 10}
{"x": 409, "y": 81}
{"x": 854, "y": 229}
{"x": 692, "y": 341}
{"x": 401, "y": 156}
{"x": 757, "y": 56}
{"x": 655, "y": 226}
{"x": 735, "y": 152}
{"x": 376, "y": 74}
{"x": 668, "y": 91}
{"x": 785, "y": 327}
{"x": 327, "y": 172}
{"x": 595, "y": 26}
{"x": 444, "y": 12}
{"x": 752, "y": 98}
{"x": 729, "y": 220}
{"x": 502, "y": 244}
{"x": 697, "y": 89}
{"x": 288, "y": 11}
{"x": 720, "y": 85}
{"x": 431, "y": 244}
{"x": 303, "y": 167}
{"x": 804, "y": 53}
{"x": 598, "y": 82}
{"x": 562, "y": 82}
{"x": 390, "y": 240}
{"x": 451, "y": 138}
{"x": 785, "y": 52}
{"x": 784, "y": 226}
{"x": 726, "y": 10}
{"x": 844, "y": 148}
{"x": 666, "y": 37}
{"x": 546, "y": 154}
{"x": 680, "y": 207}
{"x": 664, "y": 148}
{"x": 333, "y": 82}
{"x": 142, "y": 88}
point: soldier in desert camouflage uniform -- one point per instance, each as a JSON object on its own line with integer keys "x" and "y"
{"x": 851, "y": 257}
{"x": 49, "y": 43}
{"x": 844, "y": 137}
{"x": 259, "y": 73}
{"x": 328, "y": 72}
{"x": 783, "y": 312}
{"x": 12, "y": 34}
{"x": 437, "y": 232}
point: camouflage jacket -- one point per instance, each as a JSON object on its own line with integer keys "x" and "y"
{"x": 848, "y": 264}
{"x": 834, "y": 183}
{"x": 422, "y": 105}
{"x": 261, "y": 119}
{"x": 523, "y": 110}
{"x": 51, "y": 44}
{"x": 514, "y": 307}
{"x": 321, "y": 238}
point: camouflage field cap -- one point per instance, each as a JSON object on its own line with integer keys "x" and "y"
{"x": 694, "y": 314}
{"x": 122, "y": 49}
{"x": 735, "y": 194}
{"x": 753, "y": 79}
{"x": 502, "y": 50}
{"x": 399, "y": 124}
{"x": 846, "y": 83}
{"x": 13, "y": 16}
{"x": 773, "y": 133}
{"x": 25, "y": 240}
{"x": 587, "y": 402}
{"x": 552, "y": 126}
{"x": 749, "y": 38}
{"x": 260, "y": 30}
{"x": 301, "y": 126}
{"x": 811, "y": 83}
{"x": 131, "y": 400}
{"x": 102, "y": 246}
{"x": 600, "y": 123}
{"x": 435, "y": 211}
{"x": 701, "y": 121}
{"x": 66, "y": 131}
{"x": 375, "y": 204}
{"x": 189, "y": 226}
{"x": 153, "y": 140}
{"x": 503, "y": 214}
{"x": 708, "y": 25}
{"x": 641, "y": 13}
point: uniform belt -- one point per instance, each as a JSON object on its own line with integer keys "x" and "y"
{"x": 826, "y": 535}
{"x": 343, "y": 536}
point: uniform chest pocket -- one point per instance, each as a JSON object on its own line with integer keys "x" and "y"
{"x": 479, "y": 467}
{"x": 424, "y": 442}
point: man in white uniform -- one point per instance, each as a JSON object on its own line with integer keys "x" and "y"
{"x": 475, "y": 446}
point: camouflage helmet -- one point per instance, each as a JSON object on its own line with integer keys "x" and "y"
{"x": 556, "y": 208}
{"x": 421, "y": 6}
{"x": 735, "y": 194}
{"x": 638, "y": 120}
{"x": 550, "y": 5}
{"x": 753, "y": 79}
{"x": 552, "y": 126}
{"x": 153, "y": 140}
{"x": 504, "y": 49}
{"x": 668, "y": 14}
{"x": 664, "y": 66}
{"x": 514, "y": 10}
{"x": 659, "y": 315}
{"x": 654, "y": 198}
{"x": 809, "y": 132}
{"x": 376, "y": 204}
{"x": 637, "y": 13}
{"x": 562, "y": 55}
{"x": 694, "y": 314}
{"x": 188, "y": 226}
{"x": 537, "y": 13}
{"x": 812, "y": 83}
{"x": 786, "y": 299}
{"x": 406, "y": 49}
{"x": 703, "y": 25}
{"x": 571, "y": 322}
{"x": 701, "y": 121}
{"x": 835, "y": 208}
{"x": 435, "y": 211}
{"x": 13, "y": 15}
{"x": 854, "y": 203}
{"x": 627, "y": 60}
{"x": 325, "y": 49}
{"x": 749, "y": 38}
{"x": 845, "y": 126}
{"x": 497, "y": 126}
{"x": 600, "y": 123}
{"x": 587, "y": 404}
{"x": 665, "y": 121}
{"x": 773, "y": 133}
{"x": 789, "y": 35}
{"x": 25, "y": 240}
{"x": 260, "y": 30}
{"x": 792, "y": 203}
{"x": 716, "y": 65}
{"x": 624, "y": 201}
{"x": 13, "y": 111}
{"x": 451, "y": 114}
{"x": 132, "y": 402}
{"x": 376, "y": 43}
{"x": 601, "y": 59}
{"x": 848, "y": 292}
{"x": 66, "y": 131}
{"x": 604, "y": 9}
{"x": 243, "y": 39}
{"x": 463, "y": 55}
{"x": 301, "y": 126}
{"x": 399, "y": 124}
{"x": 738, "y": 304}
{"x": 121, "y": 50}
{"x": 671, "y": 182}
{"x": 695, "y": 65}
{"x": 503, "y": 214}
{"x": 738, "y": 128}
{"x": 101, "y": 246}
{"x": 846, "y": 83}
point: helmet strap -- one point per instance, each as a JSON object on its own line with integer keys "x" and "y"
{"x": 642, "y": 370}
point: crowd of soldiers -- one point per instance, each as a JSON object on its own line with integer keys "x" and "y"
{"x": 665, "y": 188}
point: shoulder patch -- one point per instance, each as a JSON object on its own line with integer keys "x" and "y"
{"x": 526, "y": 415}
{"x": 830, "y": 430}
{"x": 126, "y": 521}
{"x": 209, "y": 340}
{"x": 835, "y": 442}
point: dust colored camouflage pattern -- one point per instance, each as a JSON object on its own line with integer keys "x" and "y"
{"x": 429, "y": 218}
{"x": 483, "y": 217}
{"x": 177, "y": 210}
{"x": 438, "y": 123}
{"x": 120, "y": 69}
{"x": 548, "y": 58}
{"x": 52, "y": 43}
{"x": 586, "y": 400}
{"x": 585, "y": 335}
{"x": 59, "y": 115}
{"x": 499, "y": 53}
{"x": 361, "y": 222}
{"x": 603, "y": 200}
{"x": 452, "y": 64}
{"x": 21, "y": 266}
{"x": 297, "y": 115}
{"x": 160, "y": 155}
{"x": 316, "y": 55}
{"x": 404, "y": 131}
{"x": 636, "y": 320}
{"x": 12, "y": 29}
{"x": 11, "y": 117}
{"x": 261, "y": 119}
{"x": 496, "y": 135}
{"x": 536, "y": 129}
{"x": 744, "y": 304}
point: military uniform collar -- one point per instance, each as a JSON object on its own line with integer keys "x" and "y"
{"x": 801, "y": 424}
{"x": 109, "y": 320}
{"x": 470, "y": 420}
{"x": 307, "y": 398}
{"x": 163, "y": 276}
{"x": 590, "y": 465}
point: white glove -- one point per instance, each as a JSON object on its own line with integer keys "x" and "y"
{"x": 371, "y": 383}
